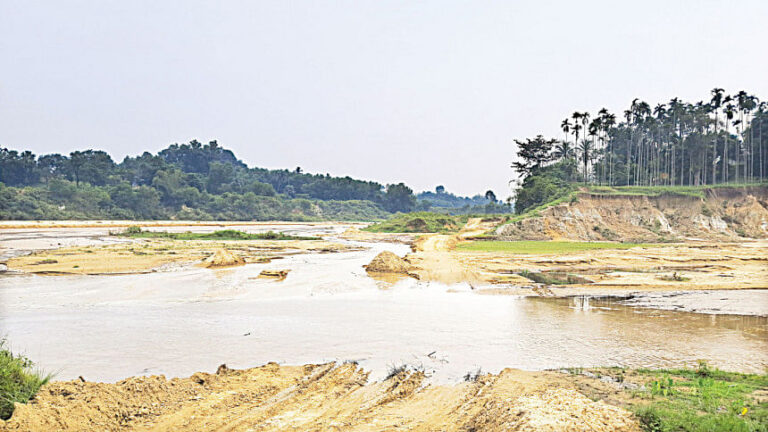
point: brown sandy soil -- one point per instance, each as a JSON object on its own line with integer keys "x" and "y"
{"x": 355, "y": 234}
{"x": 146, "y": 224}
{"x": 691, "y": 266}
{"x": 725, "y": 214}
{"x": 669, "y": 268}
{"x": 324, "y": 397}
{"x": 147, "y": 255}
{"x": 434, "y": 258}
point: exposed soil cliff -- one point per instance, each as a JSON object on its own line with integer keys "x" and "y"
{"x": 723, "y": 214}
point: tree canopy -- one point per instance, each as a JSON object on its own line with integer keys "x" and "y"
{"x": 722, "y": 139}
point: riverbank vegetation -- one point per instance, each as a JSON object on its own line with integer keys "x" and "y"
{"x": 198, "y": 182}
{"x": 19, "y": 381}
{"x": 543, "y": 247}
{"x": 719, "y": 141}
{"x": 420, "y": 222}
{"x": 137, "y": 232}
{"x": 702, "y": 400}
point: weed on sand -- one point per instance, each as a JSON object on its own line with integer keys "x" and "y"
{"x": 544, "y": 247}
{"x": 137, "y": 232}
{"x": 703, "y": 399}
{"x": 19, "y": 381}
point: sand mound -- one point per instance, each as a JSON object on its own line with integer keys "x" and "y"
{"x": 274, "y": 274}
{"x": 553, "y": 411}
{"x": 223, "y": 258}
{"x": 317, "y": 398}
{"x": 387, "y": 262}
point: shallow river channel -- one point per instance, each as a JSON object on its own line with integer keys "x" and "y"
{"x": 190, "y": 319}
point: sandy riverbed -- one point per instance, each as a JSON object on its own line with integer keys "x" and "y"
{"x": 183, "y": 318}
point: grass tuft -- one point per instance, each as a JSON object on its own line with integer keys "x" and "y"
{"x": 703, "y": 399}
{"x": 419, "y": 222}
{"x": 544, "y": 247}
{"x": 19, "y": 381}
{"x": 137, "y": 232}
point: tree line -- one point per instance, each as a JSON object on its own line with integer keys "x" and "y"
{"x": 191, "y": 180}
{"x": 721, "y": 140}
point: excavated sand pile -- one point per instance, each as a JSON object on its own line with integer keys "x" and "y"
{"x": 387, "y": 262}
{"x": 223, "y": 258}
{"x": 318, "y": 398}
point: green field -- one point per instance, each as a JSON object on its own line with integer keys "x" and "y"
{"x": 544, "y": 247}
{"x": 137, "y": 232}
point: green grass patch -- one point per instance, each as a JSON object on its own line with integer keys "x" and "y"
{"x": 655, "y": 191}
{"x": 703, "y": 399}
{"x": 536, "y": 211}
{"x": 544, "y": 247}
{"x": 19, "y": 381}
{"x": 420, "y": 222}
{"x": 137, "y": 232}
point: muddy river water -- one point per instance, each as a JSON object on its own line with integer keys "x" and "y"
{"x": 192, "y": 319}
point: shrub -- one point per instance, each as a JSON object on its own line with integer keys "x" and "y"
{"x": 19, "y": 382}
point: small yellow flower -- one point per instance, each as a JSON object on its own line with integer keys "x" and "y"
{"x": 744, "y": 411}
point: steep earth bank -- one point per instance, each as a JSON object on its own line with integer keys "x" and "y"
{"x": 723, "y": 214}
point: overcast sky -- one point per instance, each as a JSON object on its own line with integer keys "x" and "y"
{"x": 424, "y": 92}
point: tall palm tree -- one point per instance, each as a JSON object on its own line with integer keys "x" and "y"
{"x": 742, "y": 102}
{"x": 628, "y": 115}
{"x": 761, "y": 112}
{"x": 576, "y": 116}
{"x": 715, "y": 103}
{"x": 609, "y": 122}
{"x": 566, "y": 127}
{"x": 729, "y": 110}
{"x": 594, "y": 131}
{"x": 660, "y": 111}
{"x": 585, "y": 152}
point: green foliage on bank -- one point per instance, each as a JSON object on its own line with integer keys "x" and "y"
{"x": 137, "y": 232}
{"x": 703, "y": 400}
{"x": 188, "y": 182}
{"x": 657, "y": 191}
{"x": 19, "y": 381}
{"x": 545, "y": 186}
{"x": 420, "y": 222}
{"x": 63, "y": 199}
{"x": 544, "y": 247}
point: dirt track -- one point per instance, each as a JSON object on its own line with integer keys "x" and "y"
{"x": 319, "y": 398}
{"x": 435, "y": 259}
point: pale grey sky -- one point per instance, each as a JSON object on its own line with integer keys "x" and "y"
{"x": 425, "y": 92}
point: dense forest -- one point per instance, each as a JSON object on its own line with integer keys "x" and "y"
{"x": 188, "y": 181}
{"x": 723, "y": 139}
